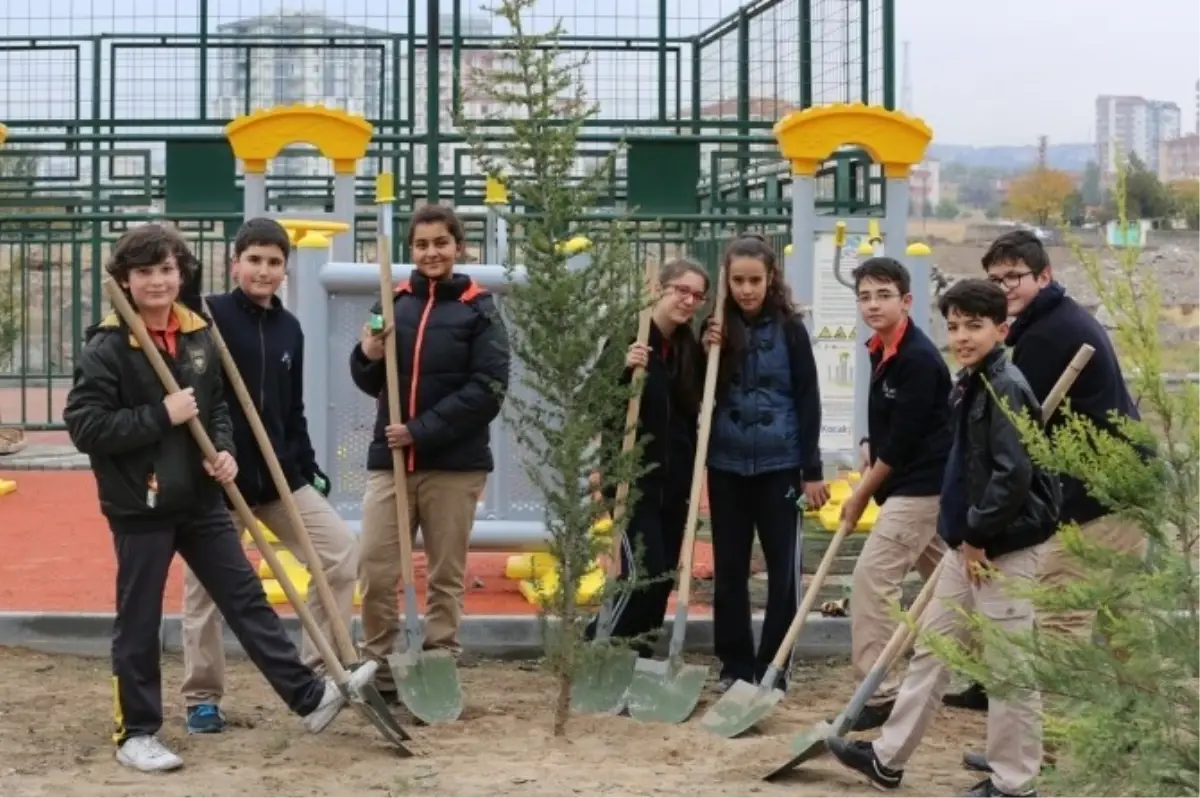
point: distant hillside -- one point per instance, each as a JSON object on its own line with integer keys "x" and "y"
{"x": 1069, "y": 157}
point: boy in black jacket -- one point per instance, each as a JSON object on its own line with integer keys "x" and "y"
{"x": 267, "y": 344}
{"x": 908, "y": 423}
{"x": 161, "y": 497}
{"x": 1047, "y": 330}
{"x": 997, "y": 509}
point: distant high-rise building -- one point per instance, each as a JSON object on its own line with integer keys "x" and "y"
{"x": 1133, "y": 126}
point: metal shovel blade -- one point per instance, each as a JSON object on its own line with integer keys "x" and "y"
{"x": 809, "y": 745}
{"x": 427, "y": 682}
{"x": 601, "y": 681}
{"x": 742, "y": 706}
{"x": 367, "y": 702}
{"x": 665, "y": 691}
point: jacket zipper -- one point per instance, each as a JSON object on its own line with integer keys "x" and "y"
{"x": 416, "y": 370}
{"x": 262, "y": 395}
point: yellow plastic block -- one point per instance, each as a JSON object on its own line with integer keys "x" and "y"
{"x": 529, "y": 566}
{"x": 548, "y": 585}
{"x": 275, "y": 594}
{"x": 7, "y": 486}
{"x": 267, "y": 533}
{"x": 830, "y": 515}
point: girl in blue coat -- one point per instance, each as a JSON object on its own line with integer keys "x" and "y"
{"x": 762, "y": 455}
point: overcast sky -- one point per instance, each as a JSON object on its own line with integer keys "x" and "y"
{"x": 983, "y": 71}
{"x": 1005, "y": 71}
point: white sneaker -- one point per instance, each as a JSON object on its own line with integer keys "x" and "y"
{"x": 147, "y": 754}
{"x": 333, "y": 702}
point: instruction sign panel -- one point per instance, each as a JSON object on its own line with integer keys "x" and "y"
{"x": 834, "y": 320}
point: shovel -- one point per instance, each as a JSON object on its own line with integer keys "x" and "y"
{"x": 601, "y": 680}
{"x": 426, "y": 681}
{"x": 812, "y": 743}
{"x": 744, "y": 704}
{"x": 384, "y": 722}
{"x": 341, "y": 634}
{"x": 668, "y": 690}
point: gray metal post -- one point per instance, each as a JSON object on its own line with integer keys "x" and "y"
{"x": 312, "y": 309}
{"x": 344, "y": 210}
{"x": 254, "y": 195}
{"x": 919, "y": 260}
{"x": 798, "y": 269}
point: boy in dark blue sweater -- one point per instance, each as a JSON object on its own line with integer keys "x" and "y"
{"x": 997, "y": 508}
{"x": 267, "y": 344}
{"x": 908, "y": 425}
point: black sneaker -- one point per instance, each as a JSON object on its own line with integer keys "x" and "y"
{"x": 870, "y": 717}
{"x": 860, "y": 755}
{"x": 973, "y": 760}
{"x": 974, "y": 697}
{"x": 986, "y": 789}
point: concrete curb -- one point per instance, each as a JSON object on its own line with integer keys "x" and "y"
{"x": 499, "y": 636}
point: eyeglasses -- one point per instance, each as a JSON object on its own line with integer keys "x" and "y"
{"x": 1010, "y": 280}
{"x": 683, "y": 292}
{"x": 866, "y": 297}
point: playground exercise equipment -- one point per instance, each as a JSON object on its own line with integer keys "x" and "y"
{"x": 821, "y": 245}
{"x": 365, "y": 698}
{"x": 814, "y": 742}
{"x": 7, "y": 486}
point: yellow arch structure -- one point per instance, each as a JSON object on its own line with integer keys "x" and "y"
{"x": 258, "y": 137}
{"x": 893, "y": 139}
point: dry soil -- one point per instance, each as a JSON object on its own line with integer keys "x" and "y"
{"x": 55, "y": 725}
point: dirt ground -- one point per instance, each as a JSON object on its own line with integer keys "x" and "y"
{"x": 55, "y": 721}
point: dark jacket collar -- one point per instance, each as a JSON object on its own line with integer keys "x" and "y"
{"x": 250, "y": 306}
{"x": 1045, "y": 302}
{"x": 993, "y": 364}
{"x": 452, "y": 287}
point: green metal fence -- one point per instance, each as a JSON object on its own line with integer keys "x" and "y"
{"x": 115, "y": 113}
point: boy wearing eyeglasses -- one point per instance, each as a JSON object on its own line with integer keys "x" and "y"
{"x": 908, "y": 441}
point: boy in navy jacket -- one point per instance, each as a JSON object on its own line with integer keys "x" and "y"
{"x": 267, "y": 344}
{"x": 908, "y": 425}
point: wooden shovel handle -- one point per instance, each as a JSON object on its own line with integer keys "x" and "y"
{"x": 391, "y": 367}
{"x": 138, "y": 328}
{"x": 632, "y": 412}
{"x": 810, "y": 596}
{"x": 340, "y": 633}
{"x": 707, "y": 401}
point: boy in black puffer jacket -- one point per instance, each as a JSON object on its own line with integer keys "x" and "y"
{"x": 997, "y": 508}
{"x": 161, "y": 497}
{"x": 454, "y": 367}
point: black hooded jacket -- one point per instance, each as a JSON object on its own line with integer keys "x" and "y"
{"x": 148, "y": 472}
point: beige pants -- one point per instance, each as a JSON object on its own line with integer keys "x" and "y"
{"x": 1014, "y": 726}
{"x": 442, "y": 505}
{"x": 904, "y": 536}
{"x": 336, "y": 547}
{"x": 1058, "y": 567}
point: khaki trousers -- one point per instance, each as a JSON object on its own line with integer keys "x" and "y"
{"x": 337, "y": 549}
{"x": 905, "y": 535}
{"x": 1014, "y": 725}
{"x": 1057, "y": 567}
{"x": 442, "y": 505}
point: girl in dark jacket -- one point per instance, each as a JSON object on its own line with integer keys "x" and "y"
{"x": 670, "y": 405}
{"x": 453, "y": 363}
{"x": 763, "y": 453}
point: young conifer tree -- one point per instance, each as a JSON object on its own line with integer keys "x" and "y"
{"x": 570, "y": 313}
{"x": 1122, "y": 710}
